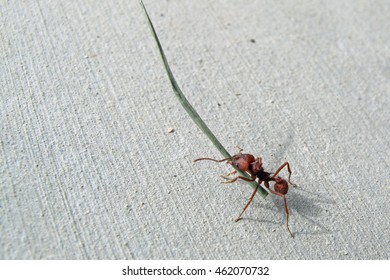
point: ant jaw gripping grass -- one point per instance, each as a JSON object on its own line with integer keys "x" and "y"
{"x": 254, "y": 167}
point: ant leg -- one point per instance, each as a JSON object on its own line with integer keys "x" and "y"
{"x": 286, "y": 209}
{"x": 246, "y": 206}
{"x": 222, "y": 160}
{"x": 285, "y": 205}
{"x": 289, "y": 172}
{"x": 238, "y": 177}
{"x": 227, "y": 175}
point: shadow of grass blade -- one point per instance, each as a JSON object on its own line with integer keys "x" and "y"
{"x": 188, "y": 107}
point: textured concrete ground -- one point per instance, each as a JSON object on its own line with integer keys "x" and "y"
{"x": 89, "y": 170}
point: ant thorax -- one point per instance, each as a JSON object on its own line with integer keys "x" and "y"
{"x": 263, "y": 176}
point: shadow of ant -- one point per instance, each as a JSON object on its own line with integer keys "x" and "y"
{"x": 309, "y": 208}
{"x": 253, "y": 166}
{"x": 301, "y": 200}
{"x": 302, "y": 205}
{"x": 264, "y": 208}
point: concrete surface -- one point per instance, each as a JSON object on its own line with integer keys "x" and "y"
{"x": 90, "y": 171}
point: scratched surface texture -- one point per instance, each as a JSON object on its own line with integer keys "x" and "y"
{"x": 89, "y": 169}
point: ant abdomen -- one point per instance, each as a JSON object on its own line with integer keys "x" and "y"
{"x": 280, "y": 186}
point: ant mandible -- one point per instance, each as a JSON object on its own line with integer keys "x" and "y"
{"x": 254, "y": 166}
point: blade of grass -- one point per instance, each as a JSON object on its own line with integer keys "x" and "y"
{"x": 188, "y": 107}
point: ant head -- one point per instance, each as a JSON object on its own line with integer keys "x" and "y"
{"x": 281, "y": 185}
{"x": 257, "y": 165}
{"x": 242, "y": 161}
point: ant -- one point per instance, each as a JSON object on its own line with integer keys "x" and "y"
{"x": 254, "y": 166}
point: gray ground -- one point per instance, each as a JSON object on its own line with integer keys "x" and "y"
{"x": 88, "y": 168}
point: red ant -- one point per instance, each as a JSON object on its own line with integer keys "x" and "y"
{"x": 254, "y": 166}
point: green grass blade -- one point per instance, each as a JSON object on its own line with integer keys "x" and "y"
{"x": 188, "y": 107}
